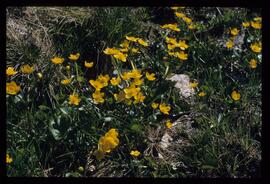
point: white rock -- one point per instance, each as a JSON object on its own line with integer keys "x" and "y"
{"x": 183, "y": 83}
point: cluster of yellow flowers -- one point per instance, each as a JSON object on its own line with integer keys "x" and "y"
{"x": 172, "y": 44}
{"x": 11, "y": 87}
{"x": 173, "y": 27}
{"x": 107, "y": 143}
{"x": 186, "y": 19}
{"x": 165, "y": 109}
{"x": 8, "y": 159}
{"x": 256, "y": 23}
{"x": 234, "y": 32}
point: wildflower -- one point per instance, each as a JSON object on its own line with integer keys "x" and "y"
{"x": 126, "y": 76}
{"x": 137, "y": 82}
{"x": 139, "y": 98}
{"x": 256, "y": 47}
{"x": 154, "y": 105}
{"x": 187, "y": 20}
{"x": 111, "y": 51}
{"x": 121, "y": 56}
{"x": 171, "y": 26}
{"x": 229, "y": 44}
{"x": 74, "y": 57}
{"x": 169, "y": 124}
{"x": 202, "y": 94}
{"x": 234, "y": 31}
{"x": 12, "y": 88}
{"x": 39, "y": 75}
{"x": 108, "y": 142}
{"x": 131, "y": 91}
{"x": 151, "y": 76}
{"x": 124, "y": 44}
{"x": 193, "y": 84}
{"x": 131, "y": 38}
{"x": 27, "y": 69}
{"x": 65, "y": 81}
{"x": 180, "y": 15}
{"x": 124, "y": 50}
{"x": 256, "y": 25}
{"x": 104, "y": 79}
{"x": 142, "y": 42}
{"x": 245, "y": 24}
{"x": 115, "y": 81}
{"x": 171, "y": 47}
{"x": 81, "y": 169}
{"x": 191, "y": 26}
{"x": 135, "y": 74}
{"x": 135, "y": 153}
{"x": 252, "y": 63}
{"x": 88, "y": 65}
{"x": 10, "y": 71}
{"x": 68, "y": 67}
{"x": 8, "y": 159}
{"x": 171, "y": 40}
{"x": 235, "y": 95}
{"x": 181, "y": 55}
{"x": 57, "y": 60}
{"x": 96, "y": 84}
{"x": 98, "y": 96}
{"x": 182, "y": 45}
{"x": 74, "y": 99}
{"x": 134, "y": 50}
{"x": 164, "y": 108}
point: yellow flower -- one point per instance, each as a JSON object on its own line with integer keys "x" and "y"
{"x": 253, "y": 63}
{"x": 8, "y": 159}
{"x": 171, "y": 53}
{"x": 39, "y": 75}
{"x": 88, "y": 65}
{"x": 229, "y": 44}
{"x": 164, "y": 108}
{"x": 26, "y": 69}
{"x": 98, "y": 96}
{"x": 131, "y": 38}
{"x": 154, "y": 105}
{"x": 109, "y": 141}
{"x": 181, "y": 55}
{"x": 256, "y": 47}
{"x": 137, "y": 82}
{"x": 245, "y": 24}
{"x": 121, "y": 56}
{"x": 65, "y": 81}
{"x": 234, "y": 31}
{"x": 191, "y": 26}
{"x": 124, "y": 50}
{"x": 57, "y": 60}
{"x": 256, "y": 25}
{"x": 74, "y": 99}
{"x": 96, "y": 84}
{"x": 111, "y": 51}
{"x": 12, "y": 88}
{"x": 124, "y": 44}
{"x": 135, "y": 74}
{"x": 169, "y": 124}
{"x": 182, "y": 45}
{"x": 202, "y": 94}
{"x": 68, "y": 67}
{"x": 187, "y": 20}
{"x": 235, "y": 95}
{"x": 134, "y": 50}
{"x": 180, "y": 15}
{"x": 171, "y": 40}
{"x": 142, "y": 42}
{"x": 74, "y": 57}
{"x": 139, "y": 98}
{"x": 10, "y": 71}
{"x": 135, "y": 153}
{"x": 171, "y": 26}
{"x": 151, "y": 76}
{"x": 194, "y": 84}
{"x": 104, "y": 79}
{"x": 257, "y": 19}
{"x": 128, "y": 101}
{"x": 171, "y": 47}
{"x": 126, "y": 76}
{"x": 131, "y": 91}
{"x": 112, "y": 132}
{"x": 115, "y": 81}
